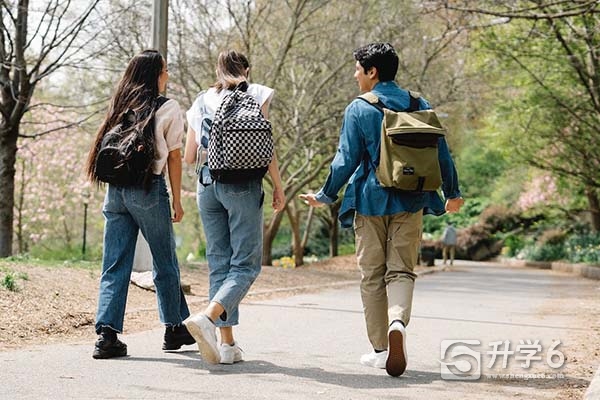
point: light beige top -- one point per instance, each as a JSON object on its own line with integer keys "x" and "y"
{"x": 169, "y": 132}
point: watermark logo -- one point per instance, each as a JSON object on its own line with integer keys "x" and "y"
{"x": 461, "y": 359}
{"x": 458, "y": 361}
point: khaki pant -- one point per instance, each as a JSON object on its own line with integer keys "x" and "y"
{"x": 448, "y": 248}
{"x": 386, "y": 250}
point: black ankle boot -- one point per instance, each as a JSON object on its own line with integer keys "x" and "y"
{"x": 108, "y": 345}
{"x": 176, "y": 336}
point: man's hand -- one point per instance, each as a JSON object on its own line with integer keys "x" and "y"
{"x": 453, "y": 205}
{"x": 311, "y": 200}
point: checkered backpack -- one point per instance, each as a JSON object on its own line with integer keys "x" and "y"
{"x": 240, "y": 144}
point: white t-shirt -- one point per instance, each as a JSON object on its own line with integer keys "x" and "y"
{"x": 168, "y": 133}
{"x": 200, "y": 115}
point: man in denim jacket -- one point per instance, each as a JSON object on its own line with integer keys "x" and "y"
{"x": 387, "y": 222}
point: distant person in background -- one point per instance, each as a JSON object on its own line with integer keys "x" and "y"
{"x": 449, "y": 243}
{"x": 129, "y": 209}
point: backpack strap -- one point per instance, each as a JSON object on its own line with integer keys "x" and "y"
{"x": 242, "y": 86}
{"x": 160, "y": 100}
{"x": 370, "y": 97}
{"x": 415, "y": 104}
{"x": 373, "y": 99}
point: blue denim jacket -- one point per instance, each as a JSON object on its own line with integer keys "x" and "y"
{"x": 358, "y": 154}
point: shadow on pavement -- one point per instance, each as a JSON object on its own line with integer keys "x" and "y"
{"x": 369, "y": 379}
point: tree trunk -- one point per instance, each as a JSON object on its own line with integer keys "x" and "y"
{"x": 594, "y": 203}
{"x": 19, "y": 206}
{"x": 334, "y": 210}
{"x": 269, "y": 233}
{"x": 297, "y": 248}
{"x": 309, "y": 219}
{"x": 8, "y": 154}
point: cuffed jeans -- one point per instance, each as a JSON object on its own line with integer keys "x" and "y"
{"x": 386, "y": 251}
{"x": 233, "y": 224}
{"x": 126, "y": 211}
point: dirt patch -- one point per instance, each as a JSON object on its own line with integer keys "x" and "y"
{"x": 58, "y": 303}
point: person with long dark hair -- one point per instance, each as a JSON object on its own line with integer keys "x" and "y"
{"x": 142, "y": 207}
{"x": 231, "y": 215}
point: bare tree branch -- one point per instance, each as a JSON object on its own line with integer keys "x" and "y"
{"x": 537, "y": 12}
{"x": 65, "y": 126}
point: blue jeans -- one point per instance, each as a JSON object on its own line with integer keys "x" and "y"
{"x": 126, "y": 211}
{"x": 233, "y": 224}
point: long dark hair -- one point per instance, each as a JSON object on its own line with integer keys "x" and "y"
{"x": 138, "y": 91}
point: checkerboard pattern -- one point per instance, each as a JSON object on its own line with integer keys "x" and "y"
{"x": 240, "y": 137}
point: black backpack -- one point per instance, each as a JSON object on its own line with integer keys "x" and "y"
{"x": 126, "y": 153}
{"x": 240, "y": 144}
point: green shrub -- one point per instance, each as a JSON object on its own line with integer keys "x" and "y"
{"x": 584, "y": 248}
{"x": 281, "y": 251}
{"x": 553, "y": 245}
{"x": 552, "y": 237}
{"x": 513, "y": 244}
{"x": 319, "y": 242}
{"x": 346, "y": 248}
{"x": 548, "y": 252}
{"x": 10, "y": 282}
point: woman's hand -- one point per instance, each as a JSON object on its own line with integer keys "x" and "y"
{"x": 278, "y": 199}
{"x": 177, "y": 212}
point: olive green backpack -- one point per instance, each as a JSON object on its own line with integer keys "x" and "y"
{"x": 408, "y": 155}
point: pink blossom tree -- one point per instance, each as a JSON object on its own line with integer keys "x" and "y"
{"x": 36, "y": 41}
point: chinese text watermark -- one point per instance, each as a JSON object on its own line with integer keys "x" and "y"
{"x": 462, "y": 359}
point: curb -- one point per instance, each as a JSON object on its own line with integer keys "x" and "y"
{"x": 584, "y": 270}
{"x": 593, "y": 391}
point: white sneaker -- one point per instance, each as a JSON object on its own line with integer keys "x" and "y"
{"x": 230, "y": 353}
{"x": 373, "y": 359}
{"x": 204, "y": 332}
{"x": 395, "y": 364}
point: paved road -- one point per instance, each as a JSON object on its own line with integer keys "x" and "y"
{"x": 307, "y": 347}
